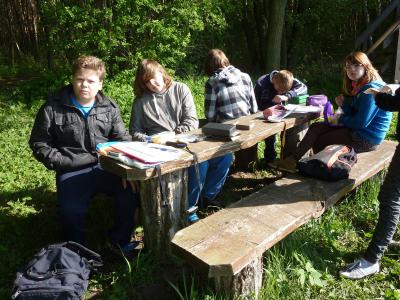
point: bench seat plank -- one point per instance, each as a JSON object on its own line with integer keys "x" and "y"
{"x": 225, "y": 242}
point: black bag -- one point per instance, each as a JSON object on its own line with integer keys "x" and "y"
{"x": 331, "y": 164}
{"x": 59, "y": 271}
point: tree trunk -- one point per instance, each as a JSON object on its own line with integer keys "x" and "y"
{"x": 261, "y": 23}
{"x": 276, "y": 21}
{"x": 162, "y": 222}
{"x": 247, "y": 283}
{"x": 250, "y": 33}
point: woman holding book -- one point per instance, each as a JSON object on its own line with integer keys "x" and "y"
{"x": 363, "y": 125}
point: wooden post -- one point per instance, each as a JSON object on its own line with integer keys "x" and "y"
{"x": 162, "y": 222}
{"x": 293, "y": 137}
{"x": 245, "y": 283}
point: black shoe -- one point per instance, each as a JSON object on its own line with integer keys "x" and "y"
{"x": 213, "y": 204}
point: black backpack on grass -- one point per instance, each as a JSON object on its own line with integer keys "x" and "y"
{"x": 58, "y": 271}
{"x": 333, "y": 163}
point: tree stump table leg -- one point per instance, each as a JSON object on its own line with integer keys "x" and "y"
{"x": 162, "y": 222}
{"x": 246, "y": 283}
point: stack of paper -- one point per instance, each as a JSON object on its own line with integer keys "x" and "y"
{"x": 147, "y": 152}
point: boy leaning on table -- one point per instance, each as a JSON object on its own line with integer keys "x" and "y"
{"x": 275, "y": 88}
{"x": 64, "y": 137}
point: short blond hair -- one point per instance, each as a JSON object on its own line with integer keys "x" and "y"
{"x": 90, "y": 63}
{"x": 284, "y": 78}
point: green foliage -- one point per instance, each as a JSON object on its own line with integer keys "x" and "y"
{"x": 392, "y": 294}
{"x": 196, "y": 85}
{"x": 127, "y": 31}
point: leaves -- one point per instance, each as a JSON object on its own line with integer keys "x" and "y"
{"x": 307, "y": 273}
{"x": 127, "y": 31}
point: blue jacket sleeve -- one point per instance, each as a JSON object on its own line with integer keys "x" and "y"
{"x": 360, "y": 113}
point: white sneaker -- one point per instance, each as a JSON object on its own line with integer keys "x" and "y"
{"x": 359, "y": 269}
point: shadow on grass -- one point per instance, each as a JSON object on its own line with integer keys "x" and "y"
{"x": 25, "y": 226}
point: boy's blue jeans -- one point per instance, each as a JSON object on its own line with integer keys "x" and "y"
{"x": 212, "y": 175}
{"x": 389, "y": 211}
{"x": 76, "y": 189}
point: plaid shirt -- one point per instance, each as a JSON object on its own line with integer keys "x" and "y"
{"x": 229, "y": 95}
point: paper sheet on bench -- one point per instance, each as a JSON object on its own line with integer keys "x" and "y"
{"x": 303, "y": 109}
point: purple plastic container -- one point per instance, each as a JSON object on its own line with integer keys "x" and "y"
{"x": 317, "y": 100}
{"x": 328, "y": 111}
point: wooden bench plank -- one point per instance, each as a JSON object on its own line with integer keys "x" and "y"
{"x": 227, "y": 241}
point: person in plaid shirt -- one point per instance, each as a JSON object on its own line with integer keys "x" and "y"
{"x": 229, "y": 94}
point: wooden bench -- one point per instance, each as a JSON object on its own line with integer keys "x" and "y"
{"x": 229, "y": 244}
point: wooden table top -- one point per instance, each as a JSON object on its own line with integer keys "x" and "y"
{"x": 210, "y": 148}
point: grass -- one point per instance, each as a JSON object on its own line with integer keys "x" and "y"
{"x": 303, "y": 266}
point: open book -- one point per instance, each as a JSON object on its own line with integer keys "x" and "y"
{"x": 139, "y": 154}
{"x": 276, "y": 113}
{"x": 387, "y": 89}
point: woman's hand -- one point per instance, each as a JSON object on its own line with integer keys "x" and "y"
{"x": 339, "y": 100}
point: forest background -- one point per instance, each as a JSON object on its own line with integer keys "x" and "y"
{"x": 257, "y": 35}
{"x": 39, "y": 40}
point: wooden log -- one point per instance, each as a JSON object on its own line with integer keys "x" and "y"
{"x": 246, "y": 283}
{"x": 161, "y": 222}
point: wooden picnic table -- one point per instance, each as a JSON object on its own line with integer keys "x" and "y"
{"x": 162, "y": 222}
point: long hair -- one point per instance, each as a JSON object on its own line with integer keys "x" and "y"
{"x": 371, "y": 73}
{"x": 146, "y": 70}
{"x": 215, "y": 60}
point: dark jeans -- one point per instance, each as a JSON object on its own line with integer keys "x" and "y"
{"x": 74, "y": 193}
{"x": 389, "y": 211}
{"x": 320, "y": 135}
{"x": 269, "y": 151}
